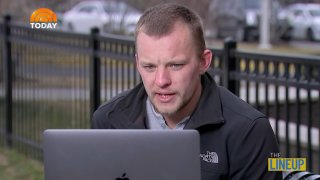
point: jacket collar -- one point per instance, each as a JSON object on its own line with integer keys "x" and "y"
{"x": 208, "y": 111}
{"x": 130, "y": 112}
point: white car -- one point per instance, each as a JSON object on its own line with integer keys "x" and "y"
{"x": 108, "y": 16}
{"x": 304, "y": 21}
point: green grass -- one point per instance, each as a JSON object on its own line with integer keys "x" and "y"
{"x": 15, "y": 166}
{"x": 30, "y": 119}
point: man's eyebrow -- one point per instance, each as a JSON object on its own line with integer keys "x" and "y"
{"x": 170, "y": 61}
{"x": 177, "y": 61}
{"x": 146, "y": 61}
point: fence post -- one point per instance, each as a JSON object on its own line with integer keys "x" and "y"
{"x": 8, "y": 80}
{"x": 229, "y": 65}
{"x": 94, "y": 72}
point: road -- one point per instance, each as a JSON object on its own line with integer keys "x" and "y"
{"x": 304, "y": 44}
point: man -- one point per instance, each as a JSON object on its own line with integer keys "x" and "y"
{"x": 177, "y": 93}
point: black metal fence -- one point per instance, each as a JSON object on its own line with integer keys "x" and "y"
{"x": 51, "y": 79}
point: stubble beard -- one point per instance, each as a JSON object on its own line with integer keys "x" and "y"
{"x": 163, "y": 109}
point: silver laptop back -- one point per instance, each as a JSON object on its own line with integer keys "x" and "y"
{"x": 121, "y": 155}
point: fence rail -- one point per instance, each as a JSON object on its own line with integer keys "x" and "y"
{"x": 51, "y": 79}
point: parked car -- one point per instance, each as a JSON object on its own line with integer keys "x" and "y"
{"x": 239, "y": 19}
{"x": 109, "y": 16}
{"x": 304, "y": 21}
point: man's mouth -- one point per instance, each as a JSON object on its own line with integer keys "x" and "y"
{"x": 164, "y": 97}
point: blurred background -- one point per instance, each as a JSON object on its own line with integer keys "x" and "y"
{"x": 52, "y": 71}
{"x": 237, "y": 18}
{"x": 289, "y": 22}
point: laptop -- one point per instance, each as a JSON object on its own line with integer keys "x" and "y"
{"x": 88, "y": 154}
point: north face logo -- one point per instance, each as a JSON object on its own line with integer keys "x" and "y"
{"x": 211, "y": 157}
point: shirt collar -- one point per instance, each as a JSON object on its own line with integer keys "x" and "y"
{"x": 156, "y": 121}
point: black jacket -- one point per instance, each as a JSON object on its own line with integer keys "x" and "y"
{"x": 236, "y": 140}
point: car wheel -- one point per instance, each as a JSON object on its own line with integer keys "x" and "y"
{"x": 219, "y": 35}
{"x": 286, "y": 38}
{"x": 70, "y": 27}
{"x": 246, "y": 35}
{"x": 310, "y": 35}
{"x": 239, "y": 36}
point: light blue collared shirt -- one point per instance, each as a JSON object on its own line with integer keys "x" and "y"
{"x": 156, "y": 121}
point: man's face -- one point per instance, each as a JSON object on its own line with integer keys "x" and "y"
{"x": 170, "y": 70}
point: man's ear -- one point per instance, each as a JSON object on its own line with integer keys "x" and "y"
{"x": 205, "y": 61}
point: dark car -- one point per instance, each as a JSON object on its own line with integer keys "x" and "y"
{"x": 239, "y": 19}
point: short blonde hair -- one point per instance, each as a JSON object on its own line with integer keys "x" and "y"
{"x": 160, "y": 20}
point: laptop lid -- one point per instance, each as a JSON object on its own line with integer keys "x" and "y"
{"x": 121, "y": 154}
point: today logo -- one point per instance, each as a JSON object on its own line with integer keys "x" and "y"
{"x": 43, "y": 18}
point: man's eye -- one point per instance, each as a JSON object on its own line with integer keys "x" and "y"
{"x": 149, "y": 67}
{"x": 176, "y": 66}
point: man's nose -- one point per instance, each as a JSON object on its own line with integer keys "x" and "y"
{"x": 162, "y": 77}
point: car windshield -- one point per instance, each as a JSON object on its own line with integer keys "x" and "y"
{"x": 252, "y": 4}
{"x": 315, "y": 12}
{"x": 114, "y": 8}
